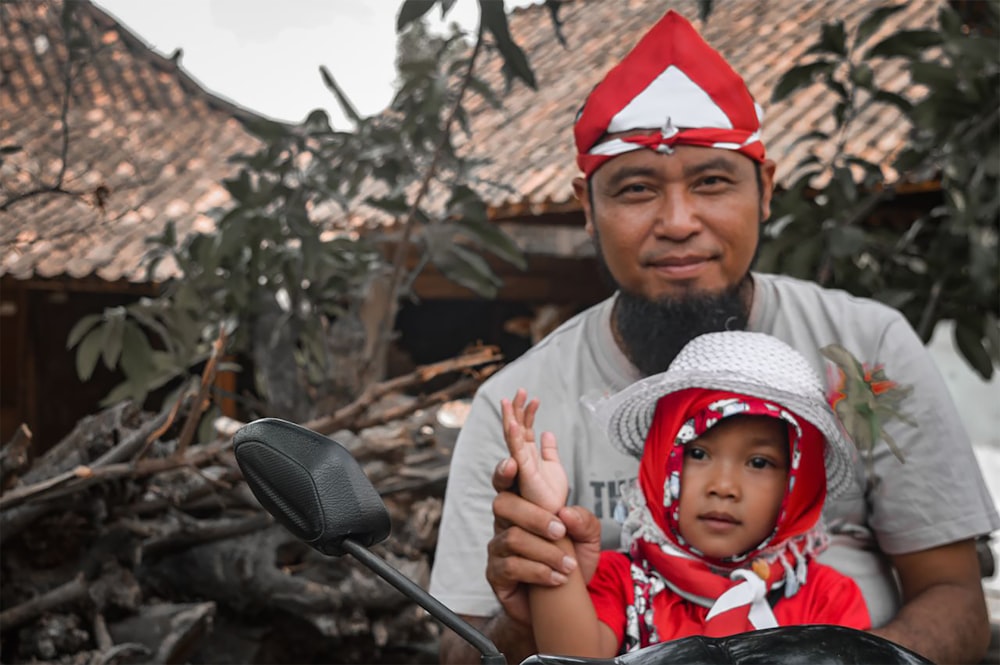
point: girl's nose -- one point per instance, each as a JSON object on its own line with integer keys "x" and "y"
{"x": 724, "y": 482}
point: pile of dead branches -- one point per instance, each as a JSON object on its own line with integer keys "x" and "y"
{"x": 128, "y": 542}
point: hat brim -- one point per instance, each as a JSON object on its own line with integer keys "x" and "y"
{"x": 628, "y": 415}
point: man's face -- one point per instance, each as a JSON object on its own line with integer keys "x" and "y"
{"x": 673, "y": 225}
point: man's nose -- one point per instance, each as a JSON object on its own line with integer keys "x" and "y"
{"x": 676, "y": 218}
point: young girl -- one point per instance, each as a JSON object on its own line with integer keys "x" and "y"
{"x": 738, "y": 449}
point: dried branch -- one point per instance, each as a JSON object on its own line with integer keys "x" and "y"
{"x": 455, "y": 390}
{"x": 84, "y": 476}
{"x": 74, "y": 590}
{"x": 345, "y": 415}
{"x": 202, "y": 400}
{"x": 14, "y": 456}
{"x": 203, "y": 531}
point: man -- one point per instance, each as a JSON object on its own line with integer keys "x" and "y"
{"x": 675, "y": 186}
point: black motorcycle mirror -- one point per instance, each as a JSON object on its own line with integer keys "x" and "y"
{"x": 314, "y": 487}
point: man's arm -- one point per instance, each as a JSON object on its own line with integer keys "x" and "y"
{"x": 944, "y": 615}
{"x": 514, "y": 640}
{"x": 524, "y": 551}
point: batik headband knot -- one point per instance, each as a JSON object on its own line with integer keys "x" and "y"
{"x": 674, "y": 80}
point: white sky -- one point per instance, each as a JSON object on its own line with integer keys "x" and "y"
{"x": 265, "y": 54}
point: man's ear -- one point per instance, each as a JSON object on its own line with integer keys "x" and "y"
{"x": 580, "y": 187}
{"x": 767, "y": 169}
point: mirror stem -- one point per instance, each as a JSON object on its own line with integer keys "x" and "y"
{"x": 490, "y": 654}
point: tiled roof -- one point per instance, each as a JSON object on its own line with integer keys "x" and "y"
{"x": 530, "y": 140}
{"x": 146, "y": 144}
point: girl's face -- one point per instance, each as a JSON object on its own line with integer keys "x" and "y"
{"x": 732, "y": 483}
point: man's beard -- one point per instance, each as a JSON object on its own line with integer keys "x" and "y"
{"x": 653, "y": 332}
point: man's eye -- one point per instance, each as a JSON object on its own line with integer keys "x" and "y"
{"x": 634, "y": 188}
{"x": 713, "y": 180}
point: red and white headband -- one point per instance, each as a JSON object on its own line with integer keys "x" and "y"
{"x": 676, "y": 85}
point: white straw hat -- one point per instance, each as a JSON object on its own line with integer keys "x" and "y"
{"x": 749, "y": 363}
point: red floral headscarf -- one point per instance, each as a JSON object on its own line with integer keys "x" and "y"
{"x": 735, "y": 587}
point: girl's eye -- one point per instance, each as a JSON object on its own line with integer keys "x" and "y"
{"x": 760, "y": 463}
{"x": 696, "y": 453}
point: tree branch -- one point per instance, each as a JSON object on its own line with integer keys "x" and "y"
{"x": 396, "y": 279}
{"x": 346, "y": 414}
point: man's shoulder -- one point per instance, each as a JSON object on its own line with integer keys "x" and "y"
{"x": 545, "y": 361}
{"x": 811, "y": 298}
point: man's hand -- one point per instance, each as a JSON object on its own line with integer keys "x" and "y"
{"x": 523, "y": 549}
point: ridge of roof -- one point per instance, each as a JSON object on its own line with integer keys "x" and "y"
{"x": 191, "y": 85}
{"x": 142, "y": 145}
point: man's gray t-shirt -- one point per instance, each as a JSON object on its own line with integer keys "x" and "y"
{"x": 937, "y": 496}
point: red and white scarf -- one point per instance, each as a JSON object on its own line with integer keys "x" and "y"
{"x": 736, "y": 588}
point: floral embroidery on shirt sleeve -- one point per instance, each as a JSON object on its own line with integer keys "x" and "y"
{"x": 865, "y": 399}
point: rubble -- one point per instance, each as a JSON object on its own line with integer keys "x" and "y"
{"x": 123, "y": 544}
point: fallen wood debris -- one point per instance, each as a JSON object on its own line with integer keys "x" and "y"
{"x": 131, "y": 542}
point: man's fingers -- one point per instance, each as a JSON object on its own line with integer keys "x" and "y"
{"x": 511, "y": 509}
{"x": 517, "y": 556}
{"x": 581, "y": 524}
{"x": 504, "y": 475}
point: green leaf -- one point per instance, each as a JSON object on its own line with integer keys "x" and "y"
{"x": 345, "y": 103}
{"x": 466, "y": 268}
{"x": 81, "y": 328}
{"x": 846, "y": 241}
{"x": 933, "y": 75}
{"x": 862, "y": 76}
{"x": 815, "y": 135}
{"x": 412, "y": 10}
{"x": 123, "y": 391}
{"x": 239, "y": 187}
{"x": 111, "y": 345}
{"x": 137, "y": 355}
{"x": 951, "y": 22}
{"x": 492, "y": 238}
{"x": 704, "y": 10}
{"x": 900, "y": 102}
{"x": 970, "y": 345}
{"x": 88, "y": 353}
{"x": 909, "y": 43}
{"x": 395, "y": 205}
{"x": 833, "y": 39}
{"x": 515, "y": 61}
{"x": 873, "y": 22}
{"x": 800, "y": 76}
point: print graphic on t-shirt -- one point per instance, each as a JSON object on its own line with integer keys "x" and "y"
{"x": 606, "y": 496}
